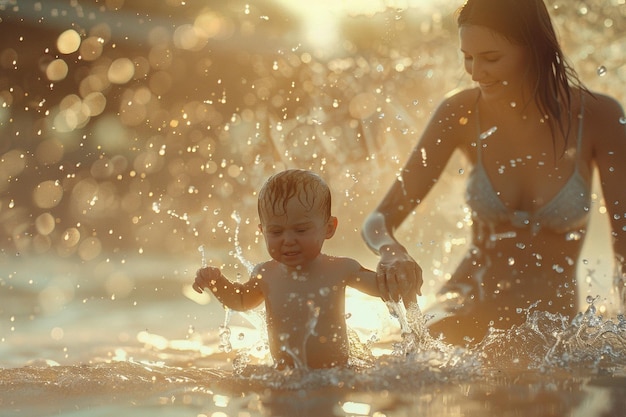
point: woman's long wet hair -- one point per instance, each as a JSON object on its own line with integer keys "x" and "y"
{"x": 527, "y": 23}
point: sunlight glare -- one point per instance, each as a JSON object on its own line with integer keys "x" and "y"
{"x": 320, "y": 19}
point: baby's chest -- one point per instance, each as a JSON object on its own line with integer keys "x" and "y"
{"x": 288, "y": 298}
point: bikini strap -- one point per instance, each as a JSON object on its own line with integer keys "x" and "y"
{"x": 479, "y": 159}
{"x": 579, "y": 136}
{"x": 579, "y": 139}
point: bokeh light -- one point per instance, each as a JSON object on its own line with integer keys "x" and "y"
{"x": 140, "y": 127}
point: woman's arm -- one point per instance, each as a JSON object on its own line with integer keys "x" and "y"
{"x": 609, "y": 151}
{"x": 234, "y": 295}
{"x": 444, "y": 134}
{"x": 397, "y": 270}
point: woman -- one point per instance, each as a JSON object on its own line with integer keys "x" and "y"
{"x": 533, "y": 134}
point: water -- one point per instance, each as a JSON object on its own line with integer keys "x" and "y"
{"x": 135, "y": 133}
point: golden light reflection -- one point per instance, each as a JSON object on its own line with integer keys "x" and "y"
{"x": 121, "y": 71}
{"x": 119, "y": 284}
{"x": 90, "y": 248}
{"x": 48, "y": 194}
{"x": 56, "y": 294}
{"x": 50, "y": 152}
{"x": 69, "y": 239}
{"x": 110, "y": 135}
{"x": 91, "y": 48}
{"x": 95, "y": 102}
{"x": 45, "y": 223}
{"x": 321, "y": 18}
{"x": 57, "y": 70}
{"x": 12, "y": 164}
{"x": 356, "y": 408}
{"x": 72, "y": 114}
{"x": 68, "y": 42}
{"x": 212, "y": 25}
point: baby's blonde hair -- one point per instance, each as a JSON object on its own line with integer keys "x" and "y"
{"x": 310, "y": 189}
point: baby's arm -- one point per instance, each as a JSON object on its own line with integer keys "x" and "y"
{"x": 361, "y": 278}
{"x": 364, "y": 280}
{"x": 234, "y": 295}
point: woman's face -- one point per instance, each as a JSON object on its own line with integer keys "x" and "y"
{"x": 498, "y": 66}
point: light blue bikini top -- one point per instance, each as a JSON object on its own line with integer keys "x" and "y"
{"x": 566, "y": 211}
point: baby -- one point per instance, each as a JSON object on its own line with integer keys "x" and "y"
{"x": 303, "y": 289}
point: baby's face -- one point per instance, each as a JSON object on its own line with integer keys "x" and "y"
{"x": 295, "y": 238}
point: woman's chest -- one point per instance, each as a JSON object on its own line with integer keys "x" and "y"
{"x": 525, "y": 169}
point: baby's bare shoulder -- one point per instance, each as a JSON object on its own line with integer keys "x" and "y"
{"x": 264, "y": 270}
{"x": 343, "y": 264}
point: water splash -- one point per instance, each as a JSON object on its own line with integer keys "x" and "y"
{"x": 224, "y": 332}
{"x": 314, "y": 313}
{"x": 238, "y": 250}
{"x": 202, "y": 251}
{"x": 619, "y": 284}
{"x": 551, "y": 342}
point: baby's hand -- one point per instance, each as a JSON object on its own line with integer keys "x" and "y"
{"x": 206, "y": 278}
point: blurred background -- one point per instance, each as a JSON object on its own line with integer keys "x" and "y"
{"x": 139, "y": 127}
{"x": 133, "y": 133}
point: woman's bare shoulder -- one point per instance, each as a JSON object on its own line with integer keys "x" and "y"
{"x": 458, "y": 103}
{"x": 455, "y": 114}
{"x": 602, "y": 105}
{"x": 603, "y": 115}
{"x": 462, "y": 97}
{"x": 605, "y": 123}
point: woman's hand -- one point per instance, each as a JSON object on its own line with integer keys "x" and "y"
{"x": 206, "y": 278}
{"x": 398, "y": 275}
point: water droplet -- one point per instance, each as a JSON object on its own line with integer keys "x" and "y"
{"x": 505, "y": 284}
{"x": 602, "y": 71}
{"x": 488, "y": 132}
{"x": 424, "y": 157}
{"x": 573, "y": 236}
{"x": 622, "y": 120}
